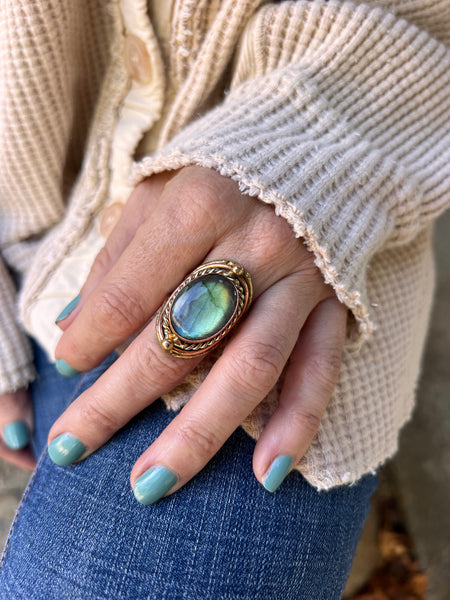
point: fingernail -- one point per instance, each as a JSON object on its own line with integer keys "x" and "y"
{"x": 65, "y": 369}
{"x": 153, "y": 484}
{"x": 65, "y": 449}
{"x": 277, "y": 472}
{"x": 16, "y": 435}
{"x": 69, "y": 308}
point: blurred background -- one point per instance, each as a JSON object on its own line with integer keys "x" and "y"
{"x": 408, "y": 532}
{"x": 404, "y": 553}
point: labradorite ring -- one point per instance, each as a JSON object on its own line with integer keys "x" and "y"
{"x": 204, "y": 308}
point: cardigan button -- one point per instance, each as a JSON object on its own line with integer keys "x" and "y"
{"x": 137, "y": 60}
{"x": 110, "y": 218}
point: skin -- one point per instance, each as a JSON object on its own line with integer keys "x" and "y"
{"x": 16, "y": 406}
{"x": 171, "y": 224}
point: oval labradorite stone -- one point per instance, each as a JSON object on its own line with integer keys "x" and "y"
{"x": 204, "y": 307}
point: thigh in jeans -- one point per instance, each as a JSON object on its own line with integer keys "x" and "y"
{"x": 80, "y": 534}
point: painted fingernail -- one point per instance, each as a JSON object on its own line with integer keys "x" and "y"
{"x": 277, "y": 472}
{"x": 65, "y": 449}
{"x": 65, "y": 369}
{"x": 16, "y": 435}
{"x": 68, "y": 309}
{"x": 153, "y": 484}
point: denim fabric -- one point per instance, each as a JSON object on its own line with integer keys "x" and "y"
{"x": 80, "y": 534}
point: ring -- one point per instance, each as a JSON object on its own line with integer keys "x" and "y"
{"x": 204, "y": 308}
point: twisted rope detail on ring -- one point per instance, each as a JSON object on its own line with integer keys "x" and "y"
{"x": 180, "y": 346}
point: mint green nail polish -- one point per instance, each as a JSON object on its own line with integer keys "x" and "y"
{"x": 69, "y": 308}
{"x": 65, "y": 449}
{"x": 153, "y": 484}
{"x": 277, "y": 472}
{"x": 16, "y": 435}
{"x": 65, "y": 369}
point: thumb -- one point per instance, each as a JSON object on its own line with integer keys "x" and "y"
{"x": 16, "y": 425}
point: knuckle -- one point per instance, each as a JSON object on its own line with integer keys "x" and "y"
{"x": 200, "y": 206}
{"x": 271, "y": 236}
{"x": 201, "y": 194}
{"x": 152, "y": 369}
{"x": 324, "y": 369}
{"x": 73, "y": 350}
{"x": 311, "y": 276}
{"x": 304, "y": 420}
{"x": 99, "y": 417}
{"x": 259, "y": 367}
{"x": 272, "y": 240}
{"x": 307, "y": 269}
{"x": 118, "y": 311}
{"x": 199, "y": 440}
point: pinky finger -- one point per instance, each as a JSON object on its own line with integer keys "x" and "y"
{"x": 16, "y": 423}
{"x": 24, "y": 459}
{"x": 310, "y": 379}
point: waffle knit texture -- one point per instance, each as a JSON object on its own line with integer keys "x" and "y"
{"x": 335, "y": 113}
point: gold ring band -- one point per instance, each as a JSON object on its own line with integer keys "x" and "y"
{"x": 204, "y": 308}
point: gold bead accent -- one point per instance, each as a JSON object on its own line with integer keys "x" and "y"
{"x": 167, "y": 345}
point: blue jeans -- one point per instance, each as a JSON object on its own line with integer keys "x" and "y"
{"x": 80, "y": 534}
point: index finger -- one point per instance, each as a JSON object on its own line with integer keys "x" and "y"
{"x": 174, "y": 239}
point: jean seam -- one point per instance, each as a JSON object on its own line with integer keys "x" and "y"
{"x": 19, "y": 508}
{"x": 32, "y": 478}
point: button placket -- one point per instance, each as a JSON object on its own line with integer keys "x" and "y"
{"x": 141, "y": 107}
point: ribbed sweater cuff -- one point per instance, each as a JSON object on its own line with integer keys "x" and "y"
{"x": 334, "y": 190}
{"x": 330, "y": 102}
{"x": 16, "y": 357}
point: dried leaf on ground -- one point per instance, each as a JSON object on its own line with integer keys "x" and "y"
{"x": 398, "y": 576}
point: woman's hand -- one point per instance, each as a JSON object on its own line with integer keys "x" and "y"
{"x": 16, "y": 422}
{"x": 171, "y": 224}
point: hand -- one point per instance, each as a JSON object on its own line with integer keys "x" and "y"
{"x": 171, "y": 224}
{"x": 16, "y": 422}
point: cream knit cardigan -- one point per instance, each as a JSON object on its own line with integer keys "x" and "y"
{"x": 336, "y": 113}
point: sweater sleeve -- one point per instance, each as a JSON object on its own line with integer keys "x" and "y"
{"x": 16, "y": 362}
{"x": 339, "y": 116}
